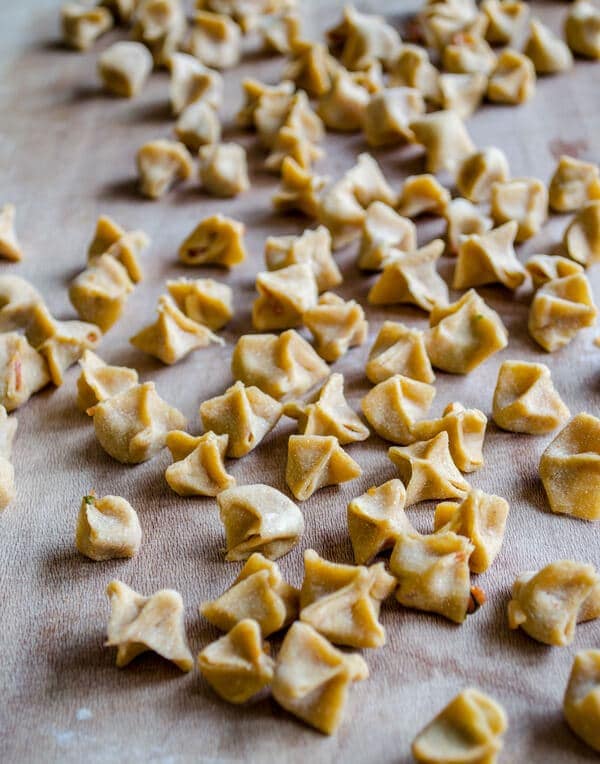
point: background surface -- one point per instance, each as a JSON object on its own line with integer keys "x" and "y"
{"x": 66, "y": 156}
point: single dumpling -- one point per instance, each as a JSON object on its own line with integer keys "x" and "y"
{"x": 316, "y": 461}
{"x": 393, "y": 406}
{"x": 198, "y": 467}
{"x": 107, "y": 528}
{"x": 336, "y": 325}
{"x": 466, "y": 433}
{"x": 132, "y": 426}
{"x": 398, "y": 349}
{"x": 581, "y": 704}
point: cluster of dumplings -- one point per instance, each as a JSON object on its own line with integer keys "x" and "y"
{"x": 364, "y": 79}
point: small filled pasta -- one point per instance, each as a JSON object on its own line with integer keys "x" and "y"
{"x": 393, "y": 406}
{"x": 313, "y": 247}
{"x": 433, "y": 573}
{"x": 480, "y": 517}
{"x": 137, "y": 624}
{"x": 316, "y": 461}
{"x": 238, "y": 665}
{"x": 445, "y": 138}
{"x": 342, "y": 602}
{"x": 23, "y": 371}
{"x": 489, "y": 258}
{"x": 245, "y": 414}
{"x": 513, "y": 79}
{"x": 279, "y": 365}
{"x": 479, "y": 171}
{"x": 549, "y": 603}
{"x": 312, "y": 677}
{"x": 223, "y": 169}
{"x": 328, "y": 414}
{"x": 428, "y": 471}
{"x": 422, "y": 195}
{"x": 205, "y": 301}
{"x": 582, "y": 237}
{"x": 284, "y": 296}
{"x": 198, "y": 467}
{"x": 124, "y": 68}
{"x": 161, "y": 164}
{"x": 521, "y": 200}
{"x": 132, "y": 426}
{"x": 99, "y": 293}
{"x": 216, "y": 240}
{"x": 336, "y": 325}
{"x": 581, "y": 704}
{"x": 259, "y": 592}
{"x": 376, "y": 519}
{"x": 470, "y": 727}
{"x": 573, "y": 184}
{"x": 82, "y": 25}
{"x": 570, "y": 469}
{"x": 259, "y": 518}
{"x": 398, "y": 349}
{"x": 525, "y": 400}
{"x": 560, "y": 309}
{"x": 107, "y": 528}
{"x": 463, "y": 334}
{"x": 466, "y": 432}
{"x": 384, "y": 233}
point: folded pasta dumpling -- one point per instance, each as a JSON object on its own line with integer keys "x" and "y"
{"x": 411, "y": 277}
{"x": 393, "y": 406}
{"x": 198, "y": 467}
{"x": 376, "y": 519}
{"x": 384, "y": 232}
{"x": 343, "y": 106}
{"x": 512, "y": 81}
{"x": 283, "y": 297}
{"x": 137, "y": 624}
{"x": 124, "y": 246}
{"x": 280, "y": 365}
{"x": 422, "y": 194}
{"x": 582, "y": 237}
{"x": 108, "y": 528}
{"x": 124, "y": 68}
{"x": 99, "y": 293}
{"x": 581, "y": 704}
{"x": 99, "y": 381}
{"x": 548, "y": 604}
{"x": 245, "y": 414}
{"x": 132, "y": 426}
{"x": 570, "y": 469}
{"x": 316, "y": 461}
{"x": 464, "y": 220}
{"x": 192, "y": 81}
{"x": 300, "y": 190}
{"x": 340, "y": 211}
{"x": 23, "y": 371}
{"x": 412, "y": 68}
{"x": 445, "y": 138}
{"x": 544, "y": 268}
{"x": 433, "y": 573}
{"x": 310, "y": 67}
{"x": 215, "y": 39}
{"x": 398, "y": 349}
{"x": 18, "y": 299}
{"x": 462, "y": 93}
{"x": 548, "y": 52}
{"x": 506, "y": 20}
{"x": 10, "y": 249}
{"x": 82, "y": 25}
{"x": 489, "y": 258}
{"x": 560, "y": 309}
{"x": 205, "y": 301}
{"x": 466, "y": 432}
{"x": 573, "y": 184}
{"x": 336, "y": 325}
{"x": 259, "y": 592}
{"x": 160, "y": 25}
{"x": 520, "y": 200}
{"x": 468, "y": 54}
{"x": 216, "y": 240}
{"x": 582, "y": 29}
{"x": 223, "y": 169}
{"x": 442, "y": 21}
{"x": 428, "y": 470}
{"x": 480, "y": 517}
{"x": 62, "y": 343}
{"x": 173, "y": 335}
{"x": 328, "y": 414}
{"x": 312, "y": 677}
{"x": 363, "y": 37}
{"x": 388, "y": 114}
{"x": 525, "y": 400}
{"x": 468, "y": 730}
{"x": 463, "y": 334}
{"x": 259, "y": 518}
{"x": 197, "y": 125}
{"x": 161, "y": 164}
{"x": 8, "y": 429}
{"x": 313, "y": 248}
{"x": 238, "y": 665}
{"x": 342, "y": 602}
{"x": 479, "y": 171}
